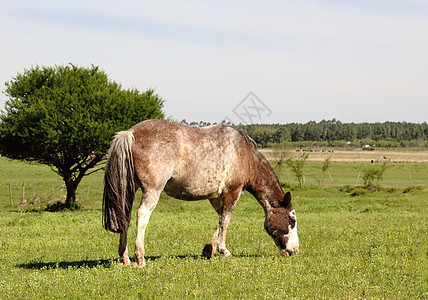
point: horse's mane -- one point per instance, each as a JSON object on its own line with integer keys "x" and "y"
{"x": 248, "y": 139}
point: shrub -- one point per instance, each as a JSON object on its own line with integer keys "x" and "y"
{"x": 372, "y": 174}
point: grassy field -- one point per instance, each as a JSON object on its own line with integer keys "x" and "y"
{"x": 371, "y": 245}
{"x": 357, "y": 156}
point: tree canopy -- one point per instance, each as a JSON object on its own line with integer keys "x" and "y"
{"x": 390, "y": 133}
{"x": 66, "y": 116}
{"x": 335, "y": 133}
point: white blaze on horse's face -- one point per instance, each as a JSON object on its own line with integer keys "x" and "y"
{"x": 281, "y": 224}
{"x": 292, "y": 245}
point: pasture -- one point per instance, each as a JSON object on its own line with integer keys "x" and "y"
{"x": 353, "y": 244}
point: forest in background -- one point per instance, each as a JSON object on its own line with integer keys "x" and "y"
{"x": 334, "y": 133}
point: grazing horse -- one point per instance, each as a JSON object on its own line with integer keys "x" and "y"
{"x": 216, "y": 162}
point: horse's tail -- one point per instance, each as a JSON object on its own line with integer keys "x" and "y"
{"x": 119, "y": 186}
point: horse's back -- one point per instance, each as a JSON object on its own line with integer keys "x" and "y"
{"x": 192, "y": 163}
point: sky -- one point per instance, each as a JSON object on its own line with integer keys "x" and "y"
{"x": 273, "y": 61}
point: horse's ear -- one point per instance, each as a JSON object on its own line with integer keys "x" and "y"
{"x": 286, "y": 201}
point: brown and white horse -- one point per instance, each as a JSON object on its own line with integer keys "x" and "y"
{"x": 216, "y": 162}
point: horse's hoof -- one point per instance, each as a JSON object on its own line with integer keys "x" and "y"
{"x": 285, "y": 252}
{"x": 227, "y": 254}
{"x": 125, "y": 262}
{"x": 208, "y": 251}
{"x": 139, "y": 266}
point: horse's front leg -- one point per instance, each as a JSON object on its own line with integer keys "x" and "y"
{"x": 148, "y": 204}
{"x": 209, "y": 249}
{"x": 123, "y": 248}
{"x": 223, "y": 206}
{"x": 216, "y": 242}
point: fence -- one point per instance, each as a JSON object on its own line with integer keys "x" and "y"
{"x": 22, "y": 194}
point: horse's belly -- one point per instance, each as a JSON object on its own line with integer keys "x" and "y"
{"x": 191, "y": 190}
{"x": 202, "y": 172}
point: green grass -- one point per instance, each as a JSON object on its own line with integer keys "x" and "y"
{"x": 48, "y": 186}
{"x": 346, "y": 173}
{"x": 372, "y": 245}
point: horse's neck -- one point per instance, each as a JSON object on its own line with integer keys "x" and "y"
{"x": 263, "y": 183}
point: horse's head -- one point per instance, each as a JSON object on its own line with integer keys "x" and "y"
{"x": 281, "y": 225}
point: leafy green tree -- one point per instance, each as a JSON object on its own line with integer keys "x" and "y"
{"x": 334, "y": 130}
{"x": 372, "y": 173}
{"x": 65, "y": 117}
{"x": 280, "y": 152}
{"x": 297, "y": 167}
{"x": 263, "y": 134}
{"x": 325, "y": 169}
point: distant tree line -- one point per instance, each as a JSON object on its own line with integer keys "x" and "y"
{"x": 335, "y": 133}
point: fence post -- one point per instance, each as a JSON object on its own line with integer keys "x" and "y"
{"x": 328, "y": 172}
{"x": 61, "y": 190}
{"x": 23, "y": 201}
{"x": 89, "y": 189}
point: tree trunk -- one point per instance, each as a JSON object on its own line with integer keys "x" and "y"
{"x": 72, "y": 178}
{"x": 71, "y": 186}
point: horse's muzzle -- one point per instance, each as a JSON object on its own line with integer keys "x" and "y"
{"x": 286, "y": 252}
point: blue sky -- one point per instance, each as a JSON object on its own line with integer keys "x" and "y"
{"x": 356, "y": 61}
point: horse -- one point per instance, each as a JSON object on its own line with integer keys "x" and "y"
{"x": 216, "y": 162}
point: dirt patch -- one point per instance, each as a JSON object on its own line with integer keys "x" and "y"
{"x": 358, "y": 156}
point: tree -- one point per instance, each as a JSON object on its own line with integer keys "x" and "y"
{"x": 297, "y": 165}
{"x": 65, "y": 117}
{"x": 280, "y": 152}
{"x": 325, "y": 169}
{"x": 370, "y": 174}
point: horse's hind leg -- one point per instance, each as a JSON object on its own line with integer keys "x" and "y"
{"x": 123, "y": 242}
{"x": 123, "y": 249}
{"x": 148, "y": 204}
